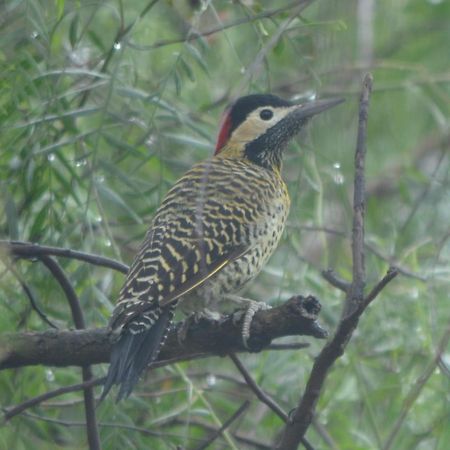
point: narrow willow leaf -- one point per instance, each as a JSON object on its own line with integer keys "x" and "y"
{"x": 97, "y": 41}
{"x": 11, "y": 217}
{"x": 60, "y": 8}
{"x": 114, "y": 198}
{"x": 73, "y": 31}
{"x": 177, "y": 82}
{"x": 197, "y": 56}
{"x": 187, "y": 69}
{"x": 39, "y": 224}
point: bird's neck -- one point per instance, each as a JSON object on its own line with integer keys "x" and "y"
{"x": 270, "y": 161}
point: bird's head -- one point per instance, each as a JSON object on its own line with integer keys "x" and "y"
{"x": 258, "y": 127}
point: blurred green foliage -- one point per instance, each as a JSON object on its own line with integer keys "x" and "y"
{"x": 104, "y": 105}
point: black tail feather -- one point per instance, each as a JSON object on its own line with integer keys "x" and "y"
{"x": 133, "y": 352}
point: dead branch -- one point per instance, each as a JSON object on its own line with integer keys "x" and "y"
{"x": 355, "y": 304}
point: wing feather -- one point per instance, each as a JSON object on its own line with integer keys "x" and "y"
{"x": 192, "y": 238}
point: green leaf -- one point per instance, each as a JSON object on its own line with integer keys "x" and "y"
{"x": 186, "y": 69}
{"x": 177, "y": 81}
{"x": 197, "y": 56}
{"x": 73, "y": 31}
{"x": 59, "y": 8}
{"x": 39, "y": 223}
{"x": 11, "y": 217}
{"x": 109, "y": 196}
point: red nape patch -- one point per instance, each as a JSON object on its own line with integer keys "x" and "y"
{"x": 224, "y": 133}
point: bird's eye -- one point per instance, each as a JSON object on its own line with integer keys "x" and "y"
{"x": 266, "y": 114}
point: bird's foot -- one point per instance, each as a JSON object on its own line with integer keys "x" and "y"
{"x": 193, "y": 319}
{"x": 250, "y": 308}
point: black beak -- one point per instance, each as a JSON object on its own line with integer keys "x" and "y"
{"x": 266, "y": 150}
{"x": 307, "y": 110}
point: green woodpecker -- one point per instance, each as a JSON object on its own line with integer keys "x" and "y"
{"x": 212, "y": 234}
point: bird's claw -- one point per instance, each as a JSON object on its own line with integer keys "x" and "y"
{"x": 249, "y": 309}
{"x": 252, "y": 309}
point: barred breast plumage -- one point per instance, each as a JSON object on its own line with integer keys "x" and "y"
{"x": 221, "y": 210}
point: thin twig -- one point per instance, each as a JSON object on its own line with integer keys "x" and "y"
{"x": 176, "y": 421}
{"x": 265, "y": 398}
{"x": 194, "y": 36}
{"x": 71, "y": 423}
{"x": 29, "y": 250}
{"x": 30, "y": 295}
{"x": 142, "y": 430}
{"x": 224, "y": 426}
{"x": 11, "y": 411}
{"x": 35, "y": 306}
{"x": 157, "y": 434}
{"x": 390, "y": 275}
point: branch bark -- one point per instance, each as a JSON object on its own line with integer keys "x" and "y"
{"x": 297, "y": 316}
{"x": 29, "y": 250}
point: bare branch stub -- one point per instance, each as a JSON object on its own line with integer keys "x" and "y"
{"x": 390, "y": 275}
{"x": 335, "y": 281}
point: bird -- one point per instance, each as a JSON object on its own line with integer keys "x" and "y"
{"x": 212, "y": 234}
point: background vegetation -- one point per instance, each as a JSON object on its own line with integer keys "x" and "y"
{"x": 105, "y": 104}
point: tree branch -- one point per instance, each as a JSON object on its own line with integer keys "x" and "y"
{"x": 297, "y": 316}
{"x": 78, "y": 318}
{"x": 355, "y": 305}
{"x": 30, "y": 250}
